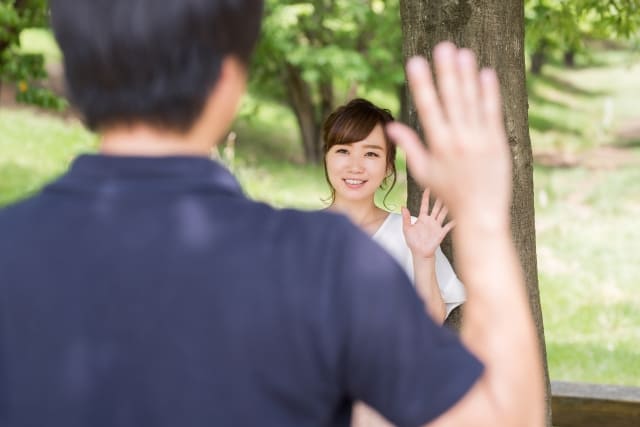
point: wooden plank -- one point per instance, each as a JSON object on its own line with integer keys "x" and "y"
{"x": 591, "y": 405}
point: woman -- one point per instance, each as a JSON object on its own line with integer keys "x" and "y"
{"x": 359, "y": 159}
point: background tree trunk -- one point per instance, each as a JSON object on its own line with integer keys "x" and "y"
{"x": 300, "y": 98}
{"x": 538, "y": 59}
{"x": 569, "y": 58}
{"x": 494, "y": 30}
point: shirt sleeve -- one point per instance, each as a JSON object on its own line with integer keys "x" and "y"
{"x": 398, "y": 360}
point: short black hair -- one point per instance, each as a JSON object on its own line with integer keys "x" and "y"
{"x": 149, "y": 61}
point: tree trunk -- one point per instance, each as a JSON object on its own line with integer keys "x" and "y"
{"x": 299, "y": 97}
{"x": 538, "y": 58}
{"x": 494, "y": 30}
{"x": 537, "y": 61}
{"x": 327, "y": 104}
{"x": 402, "y": 94}
{"x": 570, "y": 58}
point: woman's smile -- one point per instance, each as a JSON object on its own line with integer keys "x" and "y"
{"x": 354, "y": 183}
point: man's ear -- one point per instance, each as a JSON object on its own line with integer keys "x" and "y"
{"x": 232, "y": 81}
{"x": 224, "y": 98}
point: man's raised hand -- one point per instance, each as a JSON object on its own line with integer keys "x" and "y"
{"x": 467, "y": 162}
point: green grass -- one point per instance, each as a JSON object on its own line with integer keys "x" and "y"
{"x": 35, "y": 148}
{"x": 589, "y": 262}
{"x": 588, "y": 239}
{"x": 587, "y": 229}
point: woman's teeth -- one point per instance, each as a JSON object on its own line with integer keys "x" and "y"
{"x": 353, "y": 181}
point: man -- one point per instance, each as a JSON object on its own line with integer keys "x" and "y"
{"x": 143, "y": 289}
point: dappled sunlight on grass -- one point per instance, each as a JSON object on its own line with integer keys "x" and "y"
{"x": 577, "y": 109}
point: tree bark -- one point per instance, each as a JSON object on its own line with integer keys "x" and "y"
{"x": 300, "y": 99}
{"x": 327, "y": 104}
{"x": 494, "y": 30}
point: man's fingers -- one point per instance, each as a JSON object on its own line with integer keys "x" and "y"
{"x": 445, "y": 58}
{"x": 492, "y": 104}
{"x": 425, "y": 98}
{"x": 468, "y": 69}
{"x": 418, "y": 157}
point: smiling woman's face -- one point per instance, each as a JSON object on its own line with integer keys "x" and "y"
{"x": 358, "y": 169}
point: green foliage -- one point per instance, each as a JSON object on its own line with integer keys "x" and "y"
{"x": 558, "y": 26}
{"x": 345, "y": 42}
{"x": 20, "y": 68}
{"x": 316, "y": 54}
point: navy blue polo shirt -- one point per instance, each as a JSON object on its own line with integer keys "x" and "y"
{"x": 151, "y": 292}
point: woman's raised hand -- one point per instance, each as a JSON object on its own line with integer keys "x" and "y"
{"x": 424, "y": 236}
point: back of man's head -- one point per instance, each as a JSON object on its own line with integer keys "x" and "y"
{"x": 149, "y": 61}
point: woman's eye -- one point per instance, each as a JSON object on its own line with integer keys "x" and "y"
{"x": 372, "y": 154}
{"x": 342, "y": 151}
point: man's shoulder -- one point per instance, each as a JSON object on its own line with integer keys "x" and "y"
{"x": 319, "y": 222}
{"x": 18, "y": 212}
{"x": 330, "y": 238}
{"x": 312, "y": 232}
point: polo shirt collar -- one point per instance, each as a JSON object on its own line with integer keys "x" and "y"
{"x": 93, "y": 171}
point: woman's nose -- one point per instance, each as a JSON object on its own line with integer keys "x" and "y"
{"x": 355, "y": 165}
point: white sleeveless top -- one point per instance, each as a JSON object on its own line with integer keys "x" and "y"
{"x": 391, "y": 237}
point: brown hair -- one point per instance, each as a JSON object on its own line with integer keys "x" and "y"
{"x": 351, "y": 123}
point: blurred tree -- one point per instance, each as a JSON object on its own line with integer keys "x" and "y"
{"x": 19, "y": 68}
{"x": 319, "y": 53}
{"x": 559, "y": 27}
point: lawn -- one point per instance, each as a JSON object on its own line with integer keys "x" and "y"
{"x": 587, "y": 233}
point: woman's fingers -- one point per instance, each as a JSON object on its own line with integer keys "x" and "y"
{"x": 437, "y": 206}
{"x": 406, "y": 218}
{"x": 448, "y": 226}
{"x": 442, "y": 215}
{"x": 424, "y": 203}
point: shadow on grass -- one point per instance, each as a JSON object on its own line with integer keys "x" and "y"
{"x": 547, "y": 162}
{"x": 543, "y": 124}
{"x": 630, "y": 143}
{"x": 535, "y": 97}
{"x": 561, "y": 85}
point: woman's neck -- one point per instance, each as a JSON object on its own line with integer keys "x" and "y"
{"x": 364, "y": 214}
